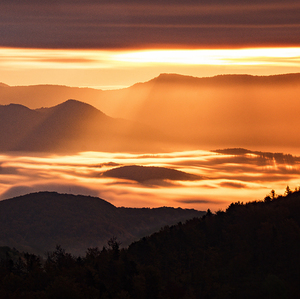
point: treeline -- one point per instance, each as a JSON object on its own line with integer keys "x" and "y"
{"x": 248, "y": 251}
{"x": 280, "y": 158}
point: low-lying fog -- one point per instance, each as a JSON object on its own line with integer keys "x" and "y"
{"x": 223, "y": 177}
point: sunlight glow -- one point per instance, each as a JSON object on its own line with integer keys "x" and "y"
{"x": 254, "y": 56}
{"x": 114, "y": 69}
{"x": 90, "y": 59}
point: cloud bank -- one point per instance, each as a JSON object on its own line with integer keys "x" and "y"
{"x": 144, "y": 24}
{"x": 225, "y": 178}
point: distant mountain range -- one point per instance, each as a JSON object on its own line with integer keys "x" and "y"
{"x": 37, "y": 222}
{"x": 216, "y": 112}
{"x": 68, "y": 127}
{"x": 36, "y": 96}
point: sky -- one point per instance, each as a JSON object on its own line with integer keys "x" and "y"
{"x": 113, "y": 44}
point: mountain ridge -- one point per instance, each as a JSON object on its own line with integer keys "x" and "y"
{"x": 249, "y": 250}
{"x": 170, "y": 76}
{"x": 39, "y": 221}
{"x": 15, "y": 94}
{"x": 69, "y": 126}
{"x": 218, "y": 112}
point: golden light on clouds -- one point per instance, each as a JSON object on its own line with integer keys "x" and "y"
{"x": 223, "y": 178}
{"x": 120, "y": 68}
{"x": 89, "y": 59}
{"x": 255, "y": 56}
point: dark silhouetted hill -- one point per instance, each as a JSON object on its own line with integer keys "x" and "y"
{"x": 3, "y": 85}
{"x": 248, "y": 251}
{"x": 147, "y": 173}
{"x": 38, "y": 222}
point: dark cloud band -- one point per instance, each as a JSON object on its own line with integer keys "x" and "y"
{"x": 125, "y": 24}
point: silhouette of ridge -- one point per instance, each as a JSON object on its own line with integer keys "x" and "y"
{"x": 3, "y": 85}
{"x": 68, "y": 127}
{"x": 217, "y": 112}
{"x": 225, "y": 79}
{"x": 70, "y": 106}
{"x": 39, "y": 221}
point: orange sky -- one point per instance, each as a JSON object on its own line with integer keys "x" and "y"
{"x": 113, "y": 44}
{"x": 109, "y": 69}
{"x": 43, "y": 42}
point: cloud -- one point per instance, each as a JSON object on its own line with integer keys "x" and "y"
{"x": 129, "y": 24}
{"x": 233, "y": 185}
{"x": 201, "y": 201}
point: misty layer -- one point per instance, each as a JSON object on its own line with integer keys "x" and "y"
{"x": 178, "y": 113}
{"x": 196, "y": 179}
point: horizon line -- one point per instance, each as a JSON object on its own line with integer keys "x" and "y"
{"x": 120, "y": 87}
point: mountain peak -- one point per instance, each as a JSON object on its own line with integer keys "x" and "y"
{"x": 72, "y": 102}
{"x": 173, "y": 77}
{"x": 3, "y": 85}
{"x": 14, "y": 108}
{"x": 76, "y": 107}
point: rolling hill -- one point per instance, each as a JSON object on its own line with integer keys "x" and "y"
{"x": 248, "y": 251}
{"x": 37, "y": 222}
{"x": 71, "y": 126}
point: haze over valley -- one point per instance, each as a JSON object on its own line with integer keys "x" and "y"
{"x": 155, "y": 143}
{"x": 149, "y": 149}
{"x": 255, "y": 112}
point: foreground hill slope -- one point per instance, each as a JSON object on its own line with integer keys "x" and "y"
{"x": 38, "y": 222}
{"x": 249, "y": 251}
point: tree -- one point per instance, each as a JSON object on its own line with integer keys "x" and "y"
{"x": 288, "y": 190}
{"x": 273, "y": 194}
{"x": 114, "y": 246}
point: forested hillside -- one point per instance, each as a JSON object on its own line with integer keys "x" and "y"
{"x": 248, "y": 251}
{"x": 37, "y": 222}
